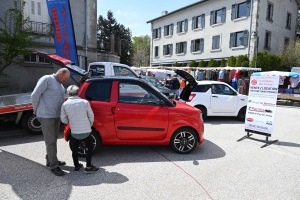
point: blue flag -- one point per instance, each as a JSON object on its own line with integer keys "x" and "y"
{"x": 64, "y": 38}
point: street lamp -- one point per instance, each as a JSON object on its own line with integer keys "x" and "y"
{"x": 254, "y": 39}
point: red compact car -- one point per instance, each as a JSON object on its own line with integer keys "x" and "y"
{"x": 133, "y": 112}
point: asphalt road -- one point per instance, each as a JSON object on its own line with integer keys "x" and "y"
{"x": 221, "y": 168}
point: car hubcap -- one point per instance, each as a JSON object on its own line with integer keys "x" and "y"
{"x": 184, "y": 141}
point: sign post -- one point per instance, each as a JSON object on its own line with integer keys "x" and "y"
{"x": 261, "y": 105}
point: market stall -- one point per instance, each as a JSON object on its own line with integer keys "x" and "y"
{"x": 289, "y": 86}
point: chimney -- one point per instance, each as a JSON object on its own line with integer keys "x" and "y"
{"x": 164, "y": 13}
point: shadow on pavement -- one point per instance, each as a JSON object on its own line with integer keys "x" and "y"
{"x": 30, "y": 180}
{"x": 222, "y": 120}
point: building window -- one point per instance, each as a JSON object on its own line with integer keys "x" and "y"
{"x": 33, "y": 58}
{"x": 216, "y": 42}
{"x": 168, "y": 49}
{"x": 238, "y": 39}
{"x": 267, "y": 45}
{"x": 218, "y": 16}
{"x": 181, "y": 47}
{"x": 198, "y": 22}
{"x": 288, "y": 20}
{"x": 197, "y": 45}
{"x": 156, "y": 51}
{"x": 168, "y": 30}
{"x": 270, "y": 9}
{"x": 241, "y": 10}
{"x": 39, "y": 8}
{"x": 32, "y": 8}
{"x": 156, "y": 33}
{"x": 182, "y": 26}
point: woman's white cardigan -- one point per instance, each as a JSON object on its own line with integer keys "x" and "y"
{"x": 78, "y": 113}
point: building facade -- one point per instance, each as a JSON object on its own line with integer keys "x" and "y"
{"x": 24, "y": 77}
{"x": 216, "y": 29}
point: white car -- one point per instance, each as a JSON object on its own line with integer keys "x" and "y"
{"x": 213, "y": 98}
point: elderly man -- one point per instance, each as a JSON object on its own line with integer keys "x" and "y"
{"x": 47, "y": 99}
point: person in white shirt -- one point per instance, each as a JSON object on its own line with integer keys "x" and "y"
{"x": 78, "y": 113}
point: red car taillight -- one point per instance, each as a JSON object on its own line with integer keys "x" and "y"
{"x": 191, "y": 97}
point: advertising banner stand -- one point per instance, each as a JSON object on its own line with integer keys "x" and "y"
{"x": 261, "y": 106}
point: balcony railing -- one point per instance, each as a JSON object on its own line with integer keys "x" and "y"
{"x": 38, "y": 27}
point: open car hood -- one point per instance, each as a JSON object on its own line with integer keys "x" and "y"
{"x": 63, "y": 62}
{"x": 188, "y": 77}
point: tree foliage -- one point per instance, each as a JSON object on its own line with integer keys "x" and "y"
{"x": 193, "y": 64}
{"x": 15, "y": 42}
{"x": 231, "y": 61}
{"x": 176, "y": 64}
{"x": 267, "y": 62}
{"x": 109, "y": 26}
{"x": 202, "y": 63}
{"x": 241, "y": 61}
{"x": 141, "y": 51}
{"x": 212, "y": 63}
{"x": 290, "y": 54}
{"x": 223, "y": 63}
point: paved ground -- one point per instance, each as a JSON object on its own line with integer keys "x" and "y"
{"x": 221, "y": 168}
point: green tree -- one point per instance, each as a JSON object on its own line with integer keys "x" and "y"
{"x": 15, "y": 41}
{"x": 223, "y": 63}
{"x": 231, "y": 61}
{"x": 290, "y": 54}
{"x": 176, "y": 64}
{"x": 267, "y": 62}
{"x": 107, "y": 27}
{"x": 202, "y": 63}
{"x": 242, "y": 59}
{"x": 141, "y": 51}
{"x": 193, "y": 64}
{"x": 212, "y": 63}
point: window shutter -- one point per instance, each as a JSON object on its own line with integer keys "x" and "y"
{"x": 171, "y": 27}
{"x": 214, "y": 42}
{"x": 271, "y": 15}
{"x": 203, "y": 20}
{"x": 153, "y": 33}
{"x": 231, "y": 40}
{"x": 269, "y": 41}
{"x": 171, "y": 49}
{"x": 164, "y": 50}
{"x": 218, "y": 42}
{"x": 186, "y": 25}
{"x": 192, "y": 46}
{"x": 177, "y": 45}
{"x": 248, "y": 7}
{"x": 211, "y": 17}
{"x": 246, "y": 36}
{"x": 184, "y": 47}
{"x": 233, "y": 11}
{"x": 201, "y": 44}
{"x": 267, "y": 14}
{"x": 178, "y": 24}
{"x": 159, "y": 31}
{"x": 223, "y": 15}
{"x": 193, "y": 23}
{"x": 165, "y": 30}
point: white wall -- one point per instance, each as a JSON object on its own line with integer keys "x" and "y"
{"x": 277, "y": 27}
{"x": 279, "y": 32}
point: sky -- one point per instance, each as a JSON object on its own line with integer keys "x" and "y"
{"x": 134, "y": 14}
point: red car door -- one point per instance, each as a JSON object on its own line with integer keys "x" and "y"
{"x": 138, "y": 114}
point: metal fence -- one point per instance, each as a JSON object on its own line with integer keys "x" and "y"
{"x": 38, "y": 27}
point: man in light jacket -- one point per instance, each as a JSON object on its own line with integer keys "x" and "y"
{"x": 78, "y": 113}
{"x": 47, "y": 98}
